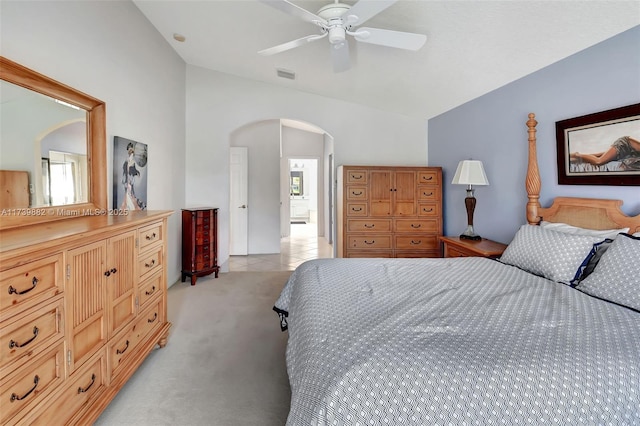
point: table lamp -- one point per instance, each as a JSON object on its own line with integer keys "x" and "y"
{"x": 470, "y": 172}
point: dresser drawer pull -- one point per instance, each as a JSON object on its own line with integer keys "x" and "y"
{"x": 356, "y": 193}
{"x": 427, "y": 178}
{"x": 14, "y": 344}
{"x": 427, "y": 195}
{"x": 15, "y": 397}
{"x": 413, "y": 225}
{"x": 149, "y": 265}
{"x": 149, "y": 293}
{"x": 126, "y": 346}
{"x": 427, "y": 210}
{"x": 155, "y": 317}
{"x": 206, "y": 227}
{"x": 356, "y": 176}
{"x": 370, "y": 242}
{"x": 34, "y": 282}
{"x": 359, "y": 209}
{"x": 370, "y": 226}
{"x": 415, "y": 243}
{"x": 150, "y": 237}
{"x": 93, "y": 380}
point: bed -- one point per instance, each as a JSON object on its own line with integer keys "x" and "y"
{"x": 547, "y": 334}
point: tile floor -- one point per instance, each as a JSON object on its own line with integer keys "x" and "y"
{"x": 303, "y": 244}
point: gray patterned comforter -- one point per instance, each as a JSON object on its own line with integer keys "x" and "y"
{"x": 454, "y": 341}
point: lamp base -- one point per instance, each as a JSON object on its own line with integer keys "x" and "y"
{"x": 470, "y": 234}
{"x": 470, "y": 237}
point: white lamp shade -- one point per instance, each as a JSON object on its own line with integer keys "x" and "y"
{"x": 470, "y": 172}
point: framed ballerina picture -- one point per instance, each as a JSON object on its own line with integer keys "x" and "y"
{"x": 601, "y": 148}
{"x": 130, "y": 160}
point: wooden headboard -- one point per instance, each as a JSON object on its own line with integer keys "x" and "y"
{"x": 592, "y": 213}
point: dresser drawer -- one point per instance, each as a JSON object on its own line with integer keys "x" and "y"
{"x": 149, "y": 263}
{"x": 80, "y": 389}
{"x": 29, "y": 284}
{"x": 369, "y": 225}
{"x": 357, "y": 209}
{"x": 31, "y": 384}
{"x": 430, "y": 177}
{"x": 417, "y": 242}
{"x": 417, "y": 225}
{"x": 24, "y": 337}
{"x": 357, "y": 192}
{"x": 429, "y": 209}
{"x": 356, "y": 176}
{"x": 150, "y": 289}
{"x": 149, "y": 236}
{"x": 369, "y": 242}
{"x": 457, "y": 252}
{"x": 124, "y": 347}
{"x": 428, "y": 193}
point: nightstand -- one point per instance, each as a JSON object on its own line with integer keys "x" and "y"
{"x": 458, "y": 247}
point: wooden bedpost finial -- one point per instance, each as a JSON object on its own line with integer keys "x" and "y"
{"x": 532, "y": 182}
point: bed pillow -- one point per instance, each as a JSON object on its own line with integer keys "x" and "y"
{"x": 617, "y": 276}
{"x": 575, "y": 230}
{"x": 554, "y": 255}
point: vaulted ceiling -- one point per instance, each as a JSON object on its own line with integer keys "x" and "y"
{"x": 473, "y": 46}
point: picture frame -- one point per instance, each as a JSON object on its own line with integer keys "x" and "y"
{"x": 130, "y": 162}
{"x": 600, "y": 149}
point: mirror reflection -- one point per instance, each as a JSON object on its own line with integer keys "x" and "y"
{"x": 43, "y": 149}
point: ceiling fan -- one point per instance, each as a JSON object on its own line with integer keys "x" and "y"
{"x": 337, "y": 20}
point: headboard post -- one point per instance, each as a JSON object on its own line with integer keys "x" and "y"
{"x": 533, "y": 175}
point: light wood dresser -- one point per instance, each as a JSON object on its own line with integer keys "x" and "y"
{"x": 82, "y": 303}
{"x": 385, "y": 211}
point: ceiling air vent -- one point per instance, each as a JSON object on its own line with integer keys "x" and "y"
{"x": 286, "y": 74}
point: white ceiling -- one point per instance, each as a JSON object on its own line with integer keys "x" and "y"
{"x": 473, "y": 46}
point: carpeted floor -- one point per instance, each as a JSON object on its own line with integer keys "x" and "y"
{"x": 224, "y": 364}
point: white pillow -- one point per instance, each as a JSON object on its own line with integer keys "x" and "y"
{"x": 575, "y": 230}
{"x": 617, "y": 275}
{"x": 554, "y": 255}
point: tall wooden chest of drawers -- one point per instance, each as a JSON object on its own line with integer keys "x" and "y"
{"x": 199, "y": 243}
{"x": 386, "y": 211}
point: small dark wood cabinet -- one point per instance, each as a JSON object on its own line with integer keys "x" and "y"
{"x": 199, "y": 243}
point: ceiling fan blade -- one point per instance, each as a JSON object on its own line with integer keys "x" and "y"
{"x": 398, "y": 39}
{"x": 340, "y": 56}
{"x": 365, "y": 10}
{"x": 292, "y": 9}
{"x": 291, "y": 44}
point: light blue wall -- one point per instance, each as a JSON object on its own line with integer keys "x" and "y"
{"x": 492, "y": 128}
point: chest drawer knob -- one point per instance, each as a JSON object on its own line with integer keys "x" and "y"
{"x": 34, "y": 282}
{"x": 93, "y": 380}
{"x": 413, "y": 225}
{"x": 416, "y": 243}
{"x": 369, "y": 226}
{"x": 15, "y": 397}
{"x": 150, "y": 264}
{"x": 155, "y": 317}
{"x": 14, "y": 344}
{"x": 370, "y": 242}
{"x": 151, "y": 237}
{"x": 149, "y": 293}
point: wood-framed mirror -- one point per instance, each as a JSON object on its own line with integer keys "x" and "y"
{"x": 94, "y": 169}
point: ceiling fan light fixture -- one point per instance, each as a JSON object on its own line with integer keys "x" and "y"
{"x": 336, "y": 35}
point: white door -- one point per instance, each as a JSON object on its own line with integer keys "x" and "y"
{"x": 285, "y": 187}
{"x": 238, "y": 216}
